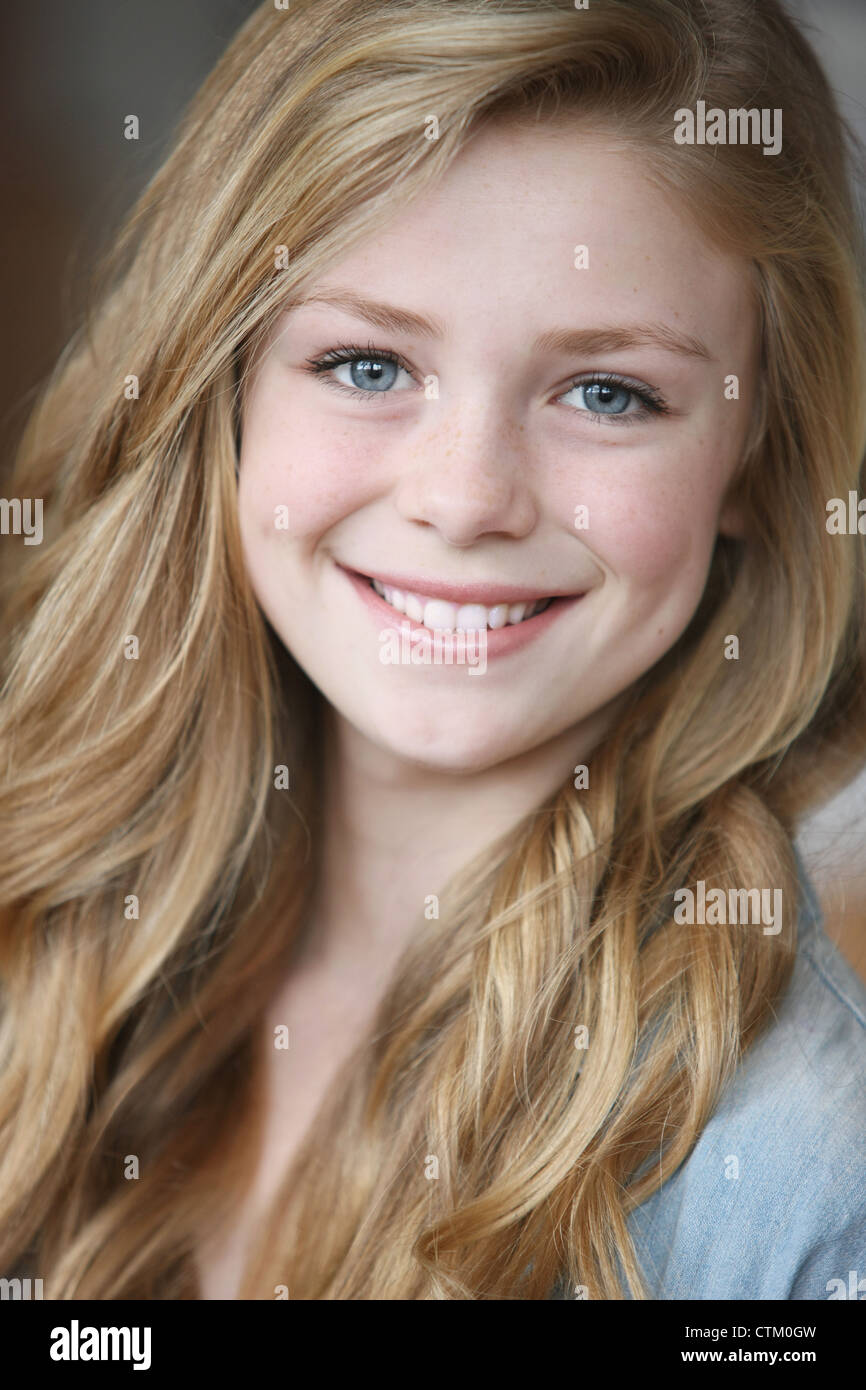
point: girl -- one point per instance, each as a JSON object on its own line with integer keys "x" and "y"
{"x": 435, "y": 641}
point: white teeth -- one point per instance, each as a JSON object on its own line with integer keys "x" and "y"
{"x": 396, "y": 599}
{"x": 471, "y": 616}
{"x": 437, "y": 613}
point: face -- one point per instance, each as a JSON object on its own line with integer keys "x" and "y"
{"x": 483, "y": 420}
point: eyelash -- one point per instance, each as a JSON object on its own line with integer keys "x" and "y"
{"x": 651, "y": 399}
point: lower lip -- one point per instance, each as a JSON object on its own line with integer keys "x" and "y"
{"x": 500, "y": 640}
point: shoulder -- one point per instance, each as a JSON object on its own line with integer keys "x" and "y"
{"x": 772, "y": 1201}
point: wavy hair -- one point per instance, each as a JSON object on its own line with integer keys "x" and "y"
{"x": 147, "y": 785}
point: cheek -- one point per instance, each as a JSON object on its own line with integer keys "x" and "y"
{"x": 312, "y": 469}
{"x": 652, "y": 547}
{"x": 653, "y": 526}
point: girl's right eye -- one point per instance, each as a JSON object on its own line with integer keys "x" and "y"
{"x": 367, "y": 372}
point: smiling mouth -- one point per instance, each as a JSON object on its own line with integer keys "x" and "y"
{"x": 439, "y": 614}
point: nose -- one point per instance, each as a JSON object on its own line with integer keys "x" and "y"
{"x": 469, "y": 475}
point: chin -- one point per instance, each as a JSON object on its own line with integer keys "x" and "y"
{"x": 452, "y": 746}
{"x": 454, "y": 761}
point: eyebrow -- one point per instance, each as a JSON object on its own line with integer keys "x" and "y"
{"x": 612, "y": 338}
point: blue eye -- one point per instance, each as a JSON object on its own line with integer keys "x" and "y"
{"x": 610, "y": 396}
{"x": 371, "y": 374}
{"x": 606, "y": 400}
{"x": 371, "y": 371}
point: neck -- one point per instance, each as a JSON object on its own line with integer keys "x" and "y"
{"x": 395, "y": 832}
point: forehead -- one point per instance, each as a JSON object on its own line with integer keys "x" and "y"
{"x": 497, "y": 240}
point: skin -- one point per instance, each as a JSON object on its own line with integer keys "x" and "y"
{"x": 425, "y": 764}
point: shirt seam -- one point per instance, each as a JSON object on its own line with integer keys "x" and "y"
{"x": 808, "y": 953}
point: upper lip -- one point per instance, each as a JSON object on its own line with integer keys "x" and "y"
{"x": 486, "y": 594}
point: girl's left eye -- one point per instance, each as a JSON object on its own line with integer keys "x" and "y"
{"x": 606, "y": 396}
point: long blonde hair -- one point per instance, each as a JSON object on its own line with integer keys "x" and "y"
{"x": 147, "y": 785}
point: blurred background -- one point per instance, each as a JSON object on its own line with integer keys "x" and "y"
{"x": 71, "y": 73}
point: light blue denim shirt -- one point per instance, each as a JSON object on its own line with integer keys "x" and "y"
{"x": 771, "y": 1203}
